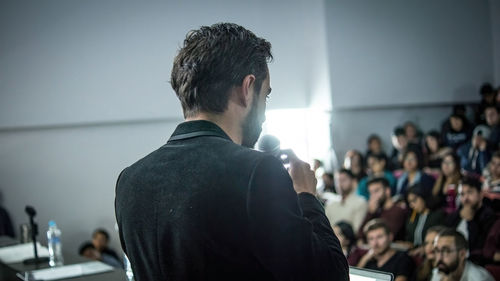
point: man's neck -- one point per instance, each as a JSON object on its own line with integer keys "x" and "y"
{"x": 346, "y": 194}
{"x": 229, "y": 125}
{"x": 382, "y": 259}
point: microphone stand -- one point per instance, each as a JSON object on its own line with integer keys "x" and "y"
{"x": 34, "y": 232}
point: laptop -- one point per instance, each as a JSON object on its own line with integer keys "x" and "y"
{"x": 361, "y": 274}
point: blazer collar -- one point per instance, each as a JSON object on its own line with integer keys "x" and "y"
{"x": 198, "y": 128}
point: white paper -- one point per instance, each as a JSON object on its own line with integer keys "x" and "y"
{"x": 20, "y": 252}
{"x": 68, "y": 271}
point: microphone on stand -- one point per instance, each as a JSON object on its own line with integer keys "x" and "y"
{"x": 34, "y": 232}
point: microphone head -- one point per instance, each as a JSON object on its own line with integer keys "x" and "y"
{"x": 30, "y": 211}
{"x": 269, "y": 144}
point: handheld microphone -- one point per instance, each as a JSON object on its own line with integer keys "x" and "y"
{"x": 271, "y": 145}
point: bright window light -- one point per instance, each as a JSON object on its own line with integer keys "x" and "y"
{"x": 305, "y": 131}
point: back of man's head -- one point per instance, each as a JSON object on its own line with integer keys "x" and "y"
{"x": 212, "y": 60}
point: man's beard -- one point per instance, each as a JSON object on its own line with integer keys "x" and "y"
{"x": 251, "y": 127}
{"x": 447, "y": 269}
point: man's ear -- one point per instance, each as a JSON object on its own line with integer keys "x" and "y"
{"x": 247, "y": 89}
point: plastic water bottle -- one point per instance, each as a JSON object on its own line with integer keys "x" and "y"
{"x": 55, "y": 246}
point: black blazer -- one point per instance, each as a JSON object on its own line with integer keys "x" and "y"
{"x": 204, "y": 208}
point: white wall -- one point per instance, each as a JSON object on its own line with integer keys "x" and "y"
{"x": 406, "y": 52}
{"x": 397, "y": 61}
{"x": 495, "y": 31}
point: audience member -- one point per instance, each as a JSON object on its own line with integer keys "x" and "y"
{"x": 491, "y": 185}
{"x": 376, "y": 169}
{"x": 422, "y": 217}
{"x": 473, "y": 219}
{"x": 413, "y": 174}
{"x": 354, "y": 162}
{"x": 381, "y": 257}
{"x": 491, "y": 249}
{"x": 344, "y": 232}
{"x": 445, "y": 189}
{"x": 455, "y": 132}
{"x": 100, "y": 240}
{"x": 348, "y": 206}
{"x": 399, "y": 143}
{"x": 492, "y": 116}
{"x": 487, "y": 93}
{"x": 413, "y": 135}
{"x": 88, "y": 250}
{"x": 450, "y": 251}
{"x": 434, "y": 151}
{"x": 381, "y": 206}
{"x": 374, "y": 146}
{"x": 424, "y": 270}
{"x": 475, "y": 155}
{"x": 327, "y": 192}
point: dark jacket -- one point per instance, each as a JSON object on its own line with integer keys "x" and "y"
{"x": 436, "y": 217}
{"x": 204, "y": 208}
{"x": 478, "y": 229}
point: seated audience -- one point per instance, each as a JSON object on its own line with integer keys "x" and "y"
{"x": 491, "y": 249}
{"x": 487, "y": 93}
{"x": 413, "y": 174}
{"x": 327, "y": 191}
{"x": 492, "y": 115}
{"x": 434, "y": 151}
{"x": 475, "y": 155}
{"x": 381, "y": 206}
{"x": 445, "y": 189}
{"x": 88, "y": 250}
{"x": 422, "y": 217}
{"x": 376, "y": 169}
{"x": 348, "y": 206}
{"x": 473, "y": 219}
{"x": 491, "y": 184}
{"x": 413, "y": 135}
{"x": 424, "y": 270}
{"x": 100, "y": 240}
{"x": 381, "y": 257}
{"x": 455, "y": 131}
{"x": 450, "y": 251}
{"x": 354, "y": 162}
{"x": 347, "y": 239}
{"x": 399, "y": 143}
{"x": 374, "y": 146}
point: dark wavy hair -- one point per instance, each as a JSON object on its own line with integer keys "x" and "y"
{"x": 212, "y": 60}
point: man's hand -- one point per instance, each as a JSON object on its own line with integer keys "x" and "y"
{"x": 467, "y": 213}
{"x": 302, "y": 176}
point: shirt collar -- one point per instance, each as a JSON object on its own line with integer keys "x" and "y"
{"x": 191, "y": 129}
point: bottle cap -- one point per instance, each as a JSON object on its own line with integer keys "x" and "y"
{"x": 52, "y": 223}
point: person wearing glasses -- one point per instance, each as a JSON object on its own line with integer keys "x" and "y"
{"x": 450, "y": 251}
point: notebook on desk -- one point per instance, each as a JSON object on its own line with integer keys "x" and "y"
{"x": 361, "y": 274}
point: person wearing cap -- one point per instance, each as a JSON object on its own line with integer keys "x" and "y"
{"x": 475, "y": 155}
